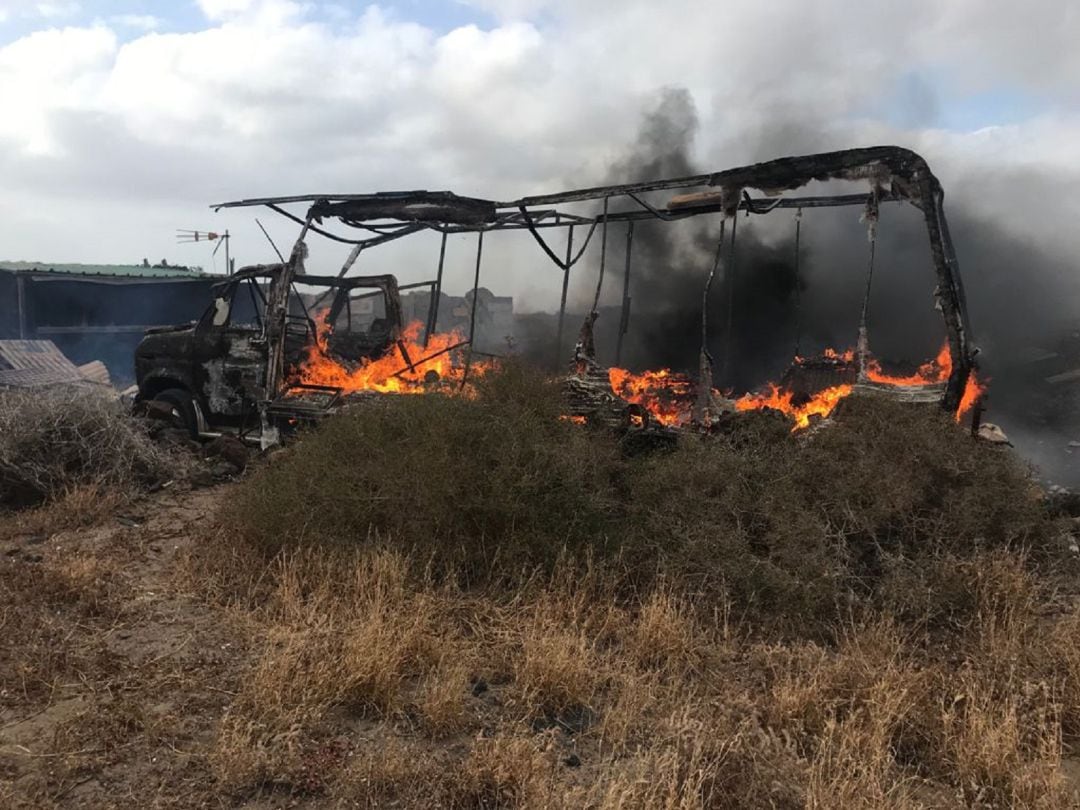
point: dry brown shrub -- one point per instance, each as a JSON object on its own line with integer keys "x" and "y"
{"x": 484, "y": 488}
{"x": 951, "y": 592}
{"x": 79, "y": 507}
{"x": 558, "y": 674}
{"x": 1002, "y": 748}
{"x": 857, "y": 619}
{"x": 443, "y": 698}
{"x": 502, "y": 772}
{"x": 55, "y": 439}
{"x": 1059, "y": 665}
{"x": 666, "y": 635}
{"x": 347, "y": 638}
{"x": 798, "y": 532}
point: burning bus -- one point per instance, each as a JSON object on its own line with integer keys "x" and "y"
{"x": 266, "y": 355}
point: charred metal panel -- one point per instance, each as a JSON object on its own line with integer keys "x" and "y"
{"x": 234, "y": 383}
{"x": 415, "y": 206}
{"x": 227, "y": 365}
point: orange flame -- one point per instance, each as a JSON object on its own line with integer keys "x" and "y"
{"x": 973, "y": 392}
{"x": 937, "y": 370}
{"x": 821, "y": 404}
{"x": 664, "y": 394}
{"x": 933, "y": 371}
{"x": 391, "y": 372}
{"x": 668, "y": 396}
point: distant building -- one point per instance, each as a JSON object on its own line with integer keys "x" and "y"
{"x": 494, "y": 316}
{"x": 98, "y": 312}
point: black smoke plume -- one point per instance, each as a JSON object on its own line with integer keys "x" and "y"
{"x": 752, "y": 310}
{"x": 1022, "y": 295}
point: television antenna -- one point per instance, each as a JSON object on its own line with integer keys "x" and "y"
{"x": 188, "y": 237}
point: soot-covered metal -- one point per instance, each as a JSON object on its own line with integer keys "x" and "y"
{"x": 242, "y": 376}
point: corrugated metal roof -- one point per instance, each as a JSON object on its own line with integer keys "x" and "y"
{"x": 34, "y": 362}
{"x": 108, "y": 270}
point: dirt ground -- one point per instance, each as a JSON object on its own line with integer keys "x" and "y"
{"x": 121, "y": 674}
{"x": 135, "y": 671}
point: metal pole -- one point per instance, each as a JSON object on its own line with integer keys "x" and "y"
{"x": 274, "y": 246}
{"x": 603, "y": 257}
{"x": 730, "y": 304}
{"x": 277, "y": 306}
{"x": 702, "y": 413}
{"x": 562, "y": 301}
{"x": 624, "y": 319}
{"x": 862, "y": 348}
{"x": 798, "y": 292}
{"x": 475, "y": 299}
{"x": 20, "y": 288}
{"x": 436, "y": 294}
{"x": 708, "y": 289}
{"x": 228, "y": 264}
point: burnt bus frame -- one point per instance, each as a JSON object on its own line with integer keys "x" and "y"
{"x": 894, "y": 174}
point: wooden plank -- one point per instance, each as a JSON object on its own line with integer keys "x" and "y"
{"x": 95, "y": 371}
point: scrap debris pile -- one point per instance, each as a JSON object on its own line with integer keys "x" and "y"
{"x": 289, "y": 367}
{"x": 661, "y": 398}
{"x": 278, "y": 347}
{"x": 807, "y": 393}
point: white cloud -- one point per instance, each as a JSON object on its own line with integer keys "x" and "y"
{"x": 57, "y": 9}
{"x": 142, "y": 22}
{"x": 509, "y": 9}
{"x": 218, "y": 9}
{"x": 47, "y": 72}
{"x": 49, "y": 9}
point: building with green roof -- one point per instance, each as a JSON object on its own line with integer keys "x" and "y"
{"x": 98, "y": 311}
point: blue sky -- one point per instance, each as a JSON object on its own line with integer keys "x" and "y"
{"x": 924, "y": 99}
{"x": 185, "y": 15}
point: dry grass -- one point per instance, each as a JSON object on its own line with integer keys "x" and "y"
{"x": 661, "y": 707}
{"x": 443, "y": 698}
{"x": 81, "y": 589}
{"x": 79, "y": 507}
{"x": 854, "y": 620}
{"x": 757, "y": 626}
{"x": 796, "y": 531}
{"x": 344, "y": 639}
